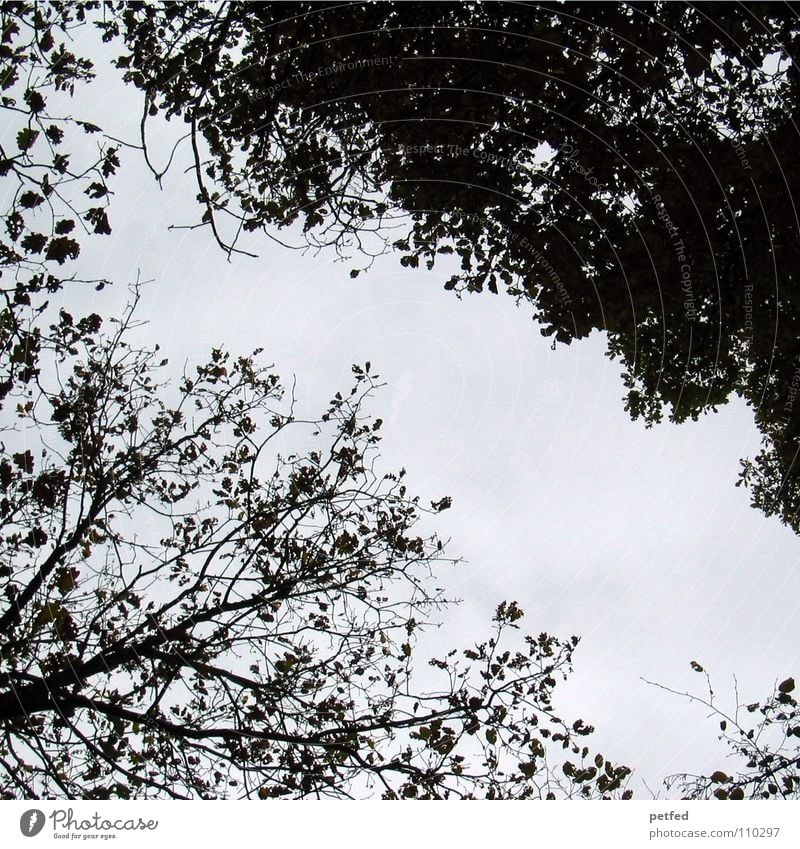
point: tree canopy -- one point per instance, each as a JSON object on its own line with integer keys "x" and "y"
{"x": 190, "y": 607}
{"x": 204, "y": 595}
{"x": 618, "y": 167}
{"x": 190, "y": 613}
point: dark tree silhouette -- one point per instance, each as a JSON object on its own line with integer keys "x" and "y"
{"x": 759, "y": 738}
{"x": 621, "y": 167}
{"x": 186, "y": 611}
{"x": 188, "y": 614}
{"x": 204, "y": 596}
{"x": 55, "y": 191}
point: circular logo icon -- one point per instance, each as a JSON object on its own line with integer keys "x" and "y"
{"x": 31, "y": 822}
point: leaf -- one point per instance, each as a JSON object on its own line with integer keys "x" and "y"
{"x": 24, "y": 460}
{"x": 6, "y": 474}
{"x": 696, "y": 666}
{"x": 34, "y": 99}
{"x": 110, "y": 162}
{"x": 46, "y": 42}
{"x": 34, "y": 242}
{"x": 786, "y": 686}
{"x": 62, "y": 249}
{"x": 54, "y": 133}
{"x": 30, "y": 200}
{"x": 54, "y": 613}
{"x": 99, "y": 219}
{"x": 67, "y": 580}
{"x": 36, "y": 537}
{"x": 96, "y": 190}
{"x": 491, "y": 736}
{"x": 719, "y": 777}
{"x": 49, "y": 613}
{"x": 26, "y": 138}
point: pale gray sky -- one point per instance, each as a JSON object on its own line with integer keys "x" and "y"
{"x": 635, "y": 539}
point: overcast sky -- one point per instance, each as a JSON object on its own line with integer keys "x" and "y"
{"x": 635, "y": 539}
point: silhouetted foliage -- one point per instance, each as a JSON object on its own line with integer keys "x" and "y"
{"x": 188, "y": 612}
{"x": 759, "y": 736}
{"x": 621, "y": 167}
{"x": 194, "y": 605}
{"x": 55, "y": 189}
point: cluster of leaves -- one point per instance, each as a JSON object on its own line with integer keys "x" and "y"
{"x": 621, "y": 169}
{"x": 759, "y": 736}
{"x": 42, "y": 215}
{"x": 187, "y": 613}
{"x": 55, "y": 184}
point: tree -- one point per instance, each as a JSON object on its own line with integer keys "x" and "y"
{"x": 767, "y": 759}
{"x": 619, "y": 167}
{"x": 55, "y": 191}
{"x": 204, "y": 595}
{"x": 184, "y": 616}
{"x": 186, "y": 611}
